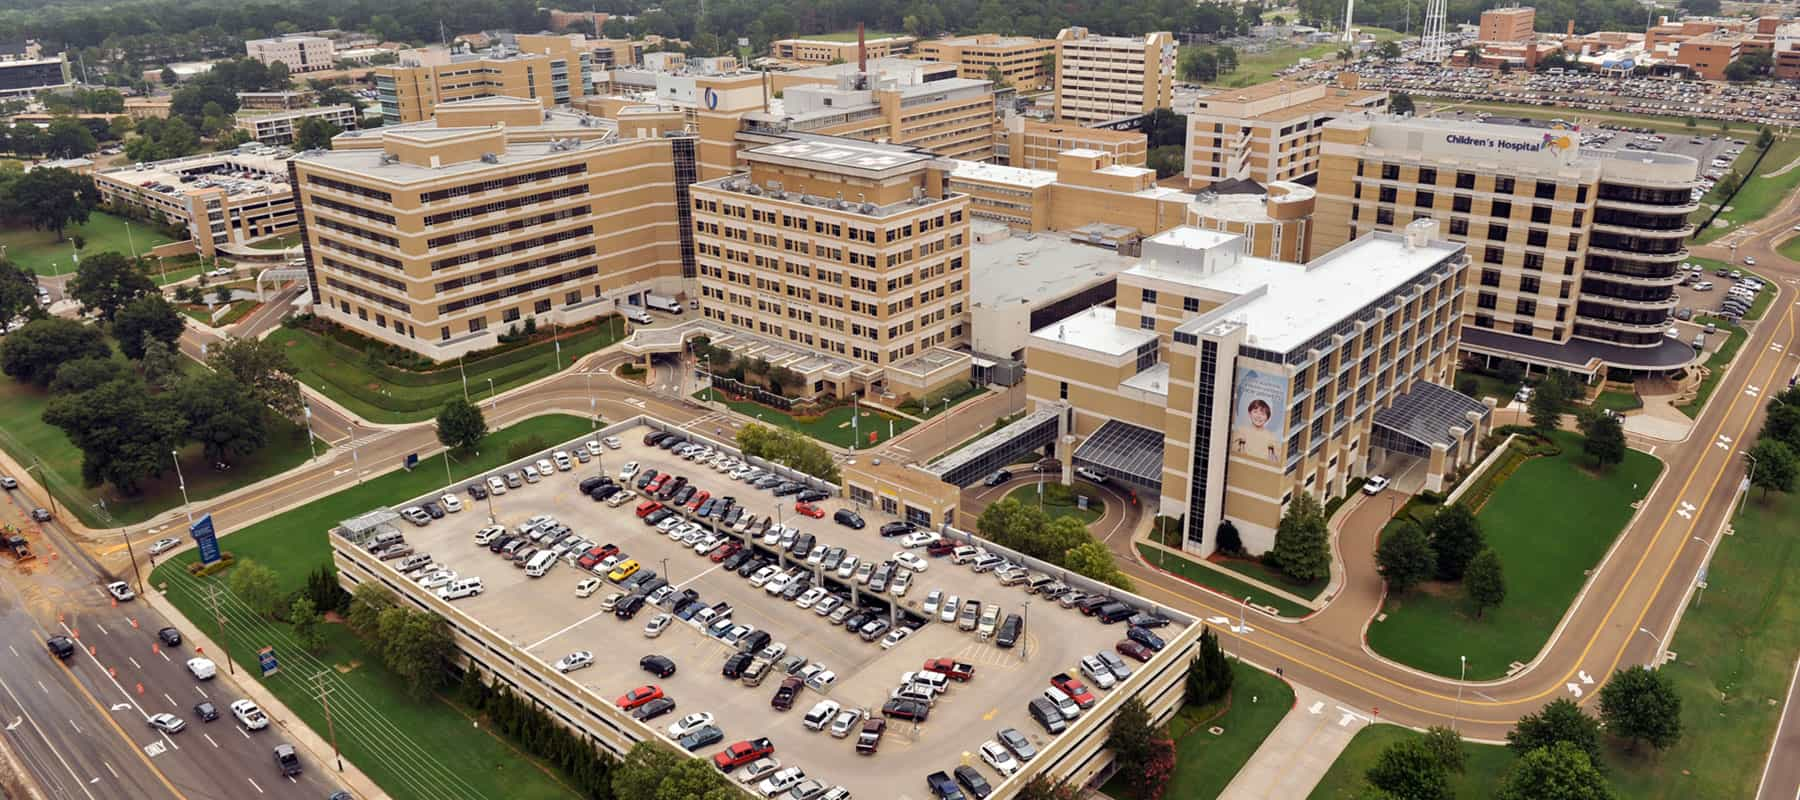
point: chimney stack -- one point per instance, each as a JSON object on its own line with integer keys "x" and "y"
{"x": 862, "y": 51}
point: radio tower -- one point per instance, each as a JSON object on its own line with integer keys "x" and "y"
{"x": 1433, "y": 43}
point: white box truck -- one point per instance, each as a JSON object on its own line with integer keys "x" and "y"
{"x": 657, "y": 302}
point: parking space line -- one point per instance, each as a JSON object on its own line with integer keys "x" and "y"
{"x": 572, "y": 626}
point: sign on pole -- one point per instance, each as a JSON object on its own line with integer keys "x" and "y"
{"x": 205, "y": 538}
{"x": 412, "y": 460}
{"x": 265, "y": 658}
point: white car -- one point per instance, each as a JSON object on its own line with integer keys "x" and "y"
{"x": 249, "y": 715}
{"x": 919, "y": 539}
{"x": 592, "y": 447}
{"x": 574, "y": 661}
{"x": 451, "y": 503}
{"x": 910, "y": 561}
{"x": 948, "y": 612}
{"x": 166, "y": 722}
{"x": 221, "y": 272}
{"x": 848, "y": 566}
{"x": 612, "y": 443}
{"x": 532, "y": 475}
{"x": 778, "y": 584}
{"x": 895, "y": 637}
{"x": 846, "y": 722}
{"x": 587, "y": 587}
{"x": 620, "y": 498}
{"x": 545, "y": 468}
{"x": 689, "y": 724}
{"x": 821, "y": 681}
{"x": 120, "y": 590}
{"x": 900, "y": 583}
{"x": 933, "y": 601}
{"x": 495, "y": 485}
{"x": 821, "y": 714}
{"x": 441, "y": 577}
{"x": 628, "y": 471}
{"x": 758, "y": 769}
{"x": 1097, "y": 672}
{"x": 764, "y": 575}
{"x": 998, "y": 757}
{"x": 1375, "y": 485}
{"x": 810, "y": 597}
{"x": 164, "y": 545}
{"x": 657, "y": 625}
{"x": 563, "y": 462}
{"x": 783, "y": 780}
{"x": 203, "y": 669}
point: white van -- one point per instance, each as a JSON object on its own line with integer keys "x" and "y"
{"x": 460, "y": 588}
{"x": 638, "y": 315}
{"x": 541, "y": 563}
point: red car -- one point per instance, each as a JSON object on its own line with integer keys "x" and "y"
{"x": 656, "y": 484}
{"x": 1135, "y": 650}
{"x": 725, "y": 550}
{"x": 743, "y": 752}
{"x": 1073, "y": 688}
{"x": 647, "y": 508}
{"x": 693, "y": 503}
{"x": 639, "y": 696}
{"x": 941, "y": 547}
{"x": 809, "y": 510}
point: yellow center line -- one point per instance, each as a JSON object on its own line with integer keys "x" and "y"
{"x": 129, "y": 744}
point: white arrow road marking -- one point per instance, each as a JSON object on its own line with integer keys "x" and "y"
{"x": 121, "y": 706}
{"x": 1316, "y": 707}
{"x": 1776, "y": 347}
{"x": 155, "y": 749}
{"x": 1575, "y": 689}
{"x": 1686, "y": 510}
{"x": 1585, "y": 678}
{"x": 1218, "y": 620}
{"x": 14, "y": 725}
{"x": 1724, "y": 442}
{"x": 1751, "y": 390}
{"x": 1348, "y": 717}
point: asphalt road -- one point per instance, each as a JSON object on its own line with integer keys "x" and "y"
{"x": 79, "y": 726}
{"x": 1781, "y": 776}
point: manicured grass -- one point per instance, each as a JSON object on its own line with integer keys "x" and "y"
{"x": 938, "y": 407}
{"x": 1716, "y": 364}
{"x": 1204, "y": 763}
{"x": 1061, "y": 502}
{"x": 1481, "y": 776}
{"x": 1218, "y": 580}
{"x": 1618, "y": 401}
{"x": 1489, "y": 386}
{"x": 203, "y": 315}
{"x": 1550, "y": 522}
{"x": 1257, "y": 570}
{"x": 351, "y": 382}
{"x": 1790, "y": 248}
{"x": 40, "y": 252}
{"x": 1735, "y": 648}
{"x": 281, "y": 242}
{"x": 1255, "y": 68}
{"x": 832, "y": 427}
{"x": 412, "y": 749}
{"x": 28, "y": 438}
{"x": 1760, "y": 194}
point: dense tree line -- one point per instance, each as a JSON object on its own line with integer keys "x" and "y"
{"x": 45, "y": 199}
{"x": 1063, "y": 541}
{"x": 789, "y": 448}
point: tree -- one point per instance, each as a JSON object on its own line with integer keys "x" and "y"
{"x": 1782, "y": 424}
{"x": 1562, "y": 721}
{"x": 417, "y": 646}
{"x": 654, "y": 772}
{"x": 33, "y": 353}
{"x": 257, "y": 586}
{"x": 1166, "y": 160}
{"x": 125, "y": 435}
{"x": 1640, "y": 704}
{"x": 1209, "y": 674}
{"x": 53, "y": 199}
{"x": 1545, "y": 409}
{"x": 790, "y": 448}
{"x": 1406, "y": 558}
{"x": 367, "y": 601}
{"x": 69, "y": 138}
{"x": 1485, "y": 581}
{"x": 148, "y": 318}
{"x": 1227, "y": 57}
{"x": 106, "y": 282}
{"x": 1559, "y": 772}
{"x": 315, "y": 134}
{"x": 1764, "y": 138}
{"x": 1456, "y": 537}
{"x": 1093, "y": 560}
{"x": 1302, "y": 543}
{"x": 1388, "y": 51}
{"x": 1401, "y": 103}
{"x": 1061, "y": 535}
{"x": 1199, "y": 65}
{"x": 1775, "y": 465}
{"x": 304, "y": 615}
{"x": 460, "y": 425}
{"x": 1605, "y": 439}
{"x": 161, "y": 369}
{"x": 83, "y": 374}
{"x": 1038, "y": 788}
{"x": 260, "y": 365}
{"x": 222, "y": 415}
{"x": 18, "y": 290}
{"x": 1411, "y": 769}
{"x": 1446, "y": 745}
{"x": 1130, "y": 735}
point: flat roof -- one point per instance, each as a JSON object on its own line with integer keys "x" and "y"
{"x": 1037, "y": 268}
{"x": 841, "y": 152}
{"x": 262, "y": 170}
{"x": 995, "y": 173}
{"x": 1095, "y": 329}
{"x": 1299, "y": 301}
{"x": 371, "y": 161}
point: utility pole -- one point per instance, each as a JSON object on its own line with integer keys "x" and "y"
{"x": 212, "y": 599}
{"x": 325, "y": 700}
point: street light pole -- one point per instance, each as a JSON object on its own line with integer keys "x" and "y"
{"x": 492, "y": 403}
{"x": 355, "y": 457}
{"x": 175, "y": 455}
{"x": 1024, "y": 628}
{"x": 465, "y": 376}
{"x": 1651, "y": 664}
{"x": 1242, "y": 607}
{"x": 593, "y": 402}
{"x": 1747, "y": 480}
{"x": 134, "y": 565}
{"x": 311, "y": 444}
{"x": 1454, "y": 722}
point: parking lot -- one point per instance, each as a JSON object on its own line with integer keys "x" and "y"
{"x": 545, "y": 617}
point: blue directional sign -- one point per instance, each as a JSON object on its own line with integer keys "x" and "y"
{"x": 412, "y": 460}
{"x": 265, "y": 658}
{"x": 206, "y": 538}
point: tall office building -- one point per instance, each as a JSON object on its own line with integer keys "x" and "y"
{"x": 1018, "y": 61}
{"x": 1221, "y": 386}
{"x": 1576, "y": 253}
{"x": 25, "y": 70}
{"x": 1104, "y": 78}
{"x": 550, "y": 69}
{"x": 301, "y": 54}
{"x": 1267, "y": 132}
{"x": 1508, "y": 25}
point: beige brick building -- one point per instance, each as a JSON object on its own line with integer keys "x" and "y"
{"x": 301, "y": 54}
{"x": 1018, "y": 60}
{"x": 220, "y": 198}
{"x": 1103, "y": 78}
{"x": 1087, "y": 187}
{"x": 896, "y": 100}
{"x": 1508, "y": 25}
{"x": 550, "y": 69}
{"x": 1267, "y": 132}
{"x": 1035, "y": 144}
{"x": 833, "y": 51}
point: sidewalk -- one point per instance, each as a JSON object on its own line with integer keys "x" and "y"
{"x": 1299, "y": 751}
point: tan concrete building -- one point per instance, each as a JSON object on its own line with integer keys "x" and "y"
{"x": 1707, "y": 55}
{"x": 833, "y": 51}
{"x": 1267, "y": 132}
{"x": 301, "y": 54}
{"x": 440, "y": 236}
{"x": 280, "y": 127}
{"x": 1275, "y": 222}
{"x": 1575, "y": 253}
{"x": 850, "y": 249}
{"x": 1035, "y": 144}
{"x": 1017, "y": 60}
{"x": 896, "y": 100}
{"x": 1222, "y": 385}
{"x": 1087, "y": 188}
{"x": 550, "y": 69}
{"x": 221, "y": 198}
{"x": 275, "y": 101}
{"x": 1508, "y": 25}
{"x": 1104, "y": 78}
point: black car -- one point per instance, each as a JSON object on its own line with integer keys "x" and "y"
{"x": 660, "y": 666}
{"x": 1010, "y": 629}
{"x": 657, "y": 516}
{"x": 1144, "y": 637}
{"x": 812, "y": 496}
{"x": 998, "y": 477}
{"x": 653, "y": 709}
{"x": 708, "y": 735}
{"x": 436, "y": 511}
{"x": 590, "y": 483}
{"x": 750, "y": 567}
{"x": 206, "y": 711}
{"x": 857, "y": 620}
{"x": 972, "y": 782}
{"x": 788, "y": 488}
{"x": 644, "y": 478}
{"x": 896, "y": 529}
{"x": 653, "y": 437}
{"x": 60, "y": 646}
{"x": 803, "y": 544}
{"x": 906, "y": 709}
{"x": 768, "y": 482}
{"x": 669, "y": 442}
{"x": 605, "y": 491}
{"x": 629, "y": 607}
{"x": 169, "y": 637}
{"x": 735, "y": 560}
{"x": 682, "y": 497}
{"x": 500, "y": 543}
{"x": 1147, "y": 620}
{"x": 478, "y": 491}
{"x": 848, "y": 519}
{"x": 735, "y": 664}
{"x": 797, "y": 588}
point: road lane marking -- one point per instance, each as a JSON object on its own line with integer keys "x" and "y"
{"x": 202, "y": 692}
{"x": 168, "y": 698}
{"x": 109, "y": 768}
{"x": 165, "y": 656}
{"x": 15, "y": 651}
{"x": 259, "y": 789}
{"x": 103, "y": 628}
{"x": 209, "y": 740}
{"x": 116, "y": 685}
{"x": 40, "y": 732}
{"x": 76, "y": 727}
{"x": 134, "y": 662}
{"x": 42, "y": 686}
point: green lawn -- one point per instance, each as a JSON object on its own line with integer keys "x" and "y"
{"x": 832, "y": 427}
{"x": 1060, "y": 501}
{"x": 1255, "y": 68}
{"x": 1760, "y": 193}
{"x": 412, "y": 749}
{"x": 1489, "y": 386}
{"x": 28, "y": 438}
{"x": 1487, "y": 765}
{"x": 281, "y": 242}
{"x": 1550, "y": 522}
{"x": 203, "y": 315}
{"x": 1205, "y": 763}
{"x": 1218, "y": 580}
{"x": 1273, "y": 577}
{"x": 1716, "y": 364}
{"x": 351, "y": 383}
{"x": 1618, "y": 401}
{"x": 938, "y": 406}
{"x": 40, "y": 252}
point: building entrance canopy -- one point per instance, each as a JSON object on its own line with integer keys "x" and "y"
{"x": 1124, "y": 452}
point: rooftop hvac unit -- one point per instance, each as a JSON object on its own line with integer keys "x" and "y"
{"x": 867, "y": 208}
{"x": 489, "y": 158}
{"x": 753, "y": 190}
{"x": 389, "y": 158}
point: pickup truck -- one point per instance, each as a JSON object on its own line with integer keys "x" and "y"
{"x": 942, "y": 787}
{"x": 741, "y": 753}
{"x": 951, "y": 668}
{"x": 784, "y": 696}
{"x": 1083, "y": 698}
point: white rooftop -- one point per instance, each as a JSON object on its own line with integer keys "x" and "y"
{"x": 1035, "y": 268}
{"x": 1095, "y": 329}
{"x": 841, "y": 152}
{"x": 995, "y": 173}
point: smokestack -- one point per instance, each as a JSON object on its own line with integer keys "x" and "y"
{"x": 862, "y": 51}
